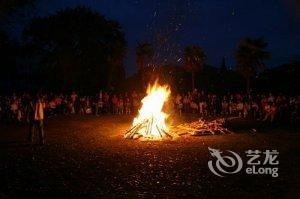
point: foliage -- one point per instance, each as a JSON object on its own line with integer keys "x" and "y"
{"x": 144, "y": 53}
{"x": 194, "y": 60}
{"x": 7, "y": 6}
{"x": 282, "y": 79}
{"x": 78, "y": 49}
{"x": 8, "y": 53}
{"x": 250, "y": 57}
{"x": 14, "y": 10}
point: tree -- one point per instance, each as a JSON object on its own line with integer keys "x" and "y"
{"x": 250, "y": 57}
{"x": 223, "y": 67}
{"x": 77, "y": 48}
{"x": 194, "y": 61}
{"x": 7, "y": 6}
{"x": 144, "y": 54}
{"x": 8, "y": 53}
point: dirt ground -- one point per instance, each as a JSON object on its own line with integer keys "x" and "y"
{"x": 87, "y": 157}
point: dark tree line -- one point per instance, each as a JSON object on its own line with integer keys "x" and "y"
{"x": 8, "y": 53}
{"x": 9, "y": 6}
{"x": 79, "y": 49}
{"x": 282, "y": 79}
{"x": 250, "y": 57}
{"x": 250, "y": 73}
{"x": 73, "y": 49}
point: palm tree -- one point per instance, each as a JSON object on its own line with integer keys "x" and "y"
{"x": 194, "y": 60}
{"x": 249, "y": 58}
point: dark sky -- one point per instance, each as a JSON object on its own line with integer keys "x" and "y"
{"x": 215, "y": 25}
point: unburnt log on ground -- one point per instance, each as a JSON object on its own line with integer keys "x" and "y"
{"x": 202, "y": 127}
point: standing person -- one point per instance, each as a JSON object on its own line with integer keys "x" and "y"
{"x": 106, "y": 98}
{"x": 186, "y": 103}
{"x": 14, "y": 109}
{"x": 39, "y": 119}
{"x": 99, "y": 106}
{"x": 240, "y": 109}
{"x": 30, "y": 113}
{"x": 82, "y": 105}
{"x": 135, "y": 102}
{"x": 114, "y": 102}
{"x": 178, "y": 102}
{"x": 120, "y": 105}
{"x": 75, "y": 102}
{"x": 127, "y": 105}
{"x": 88, "y": 108}
{"x": 202, "y": 104}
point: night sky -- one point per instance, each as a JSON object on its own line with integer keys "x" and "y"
{"x": 215, "y": 25}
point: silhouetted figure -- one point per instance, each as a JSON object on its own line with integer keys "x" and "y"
{"x": 30, "y": 119}
{"x": 36, "y": 120}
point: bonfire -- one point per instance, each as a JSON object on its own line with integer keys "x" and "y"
{"x": 150, "y": 124}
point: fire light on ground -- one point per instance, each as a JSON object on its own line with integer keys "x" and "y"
{"x": 150, "y": 124}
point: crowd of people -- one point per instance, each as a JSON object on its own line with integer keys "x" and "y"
{"x": 265, "y": 107}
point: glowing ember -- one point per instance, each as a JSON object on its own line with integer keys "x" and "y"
{"x": 151, "y": 120}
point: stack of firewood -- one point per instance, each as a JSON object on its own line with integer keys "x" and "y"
{"x": 201, "y": 127}
{"x": 143, "y": 129}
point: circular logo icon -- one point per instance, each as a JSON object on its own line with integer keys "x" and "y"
{"x": 224, "y": 164}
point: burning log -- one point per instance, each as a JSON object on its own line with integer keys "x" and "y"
{"x": 145, "y": 130}
{"x": 133, "y": 132}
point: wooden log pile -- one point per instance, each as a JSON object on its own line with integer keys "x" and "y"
{"x": 143, "y": 130}
{"x": 202, "y": 127}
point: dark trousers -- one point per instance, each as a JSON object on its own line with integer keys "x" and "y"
{"x": 37, "y": 126}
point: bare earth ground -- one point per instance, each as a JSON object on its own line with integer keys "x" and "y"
{"x": 87, "y": 157}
